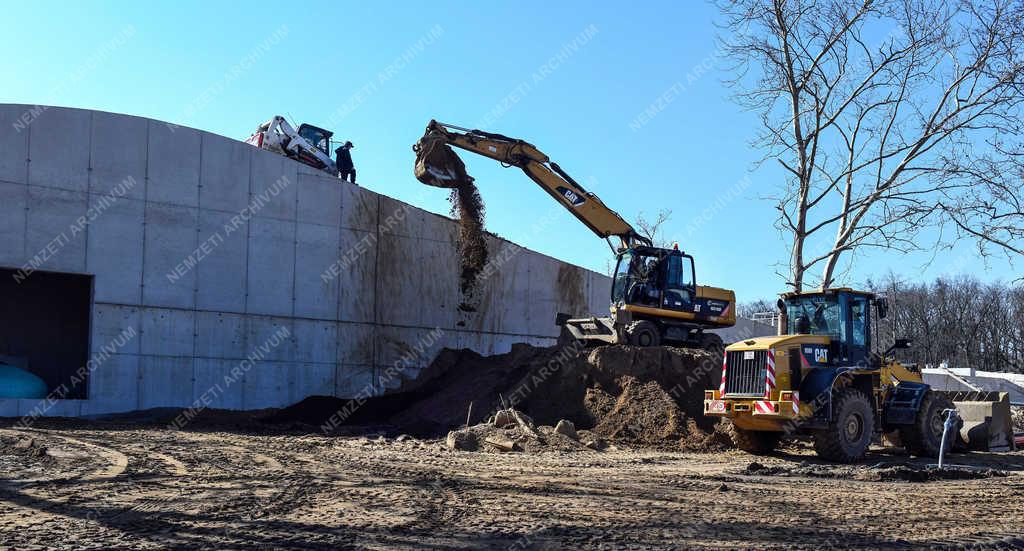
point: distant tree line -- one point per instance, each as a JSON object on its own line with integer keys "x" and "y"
{"x": 959, "y": 320}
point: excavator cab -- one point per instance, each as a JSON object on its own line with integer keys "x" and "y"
{"x": 654, "y": 277}
{"x": 320, "y": 138}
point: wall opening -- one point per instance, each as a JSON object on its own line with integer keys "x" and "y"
{"x": 44, "y": 326}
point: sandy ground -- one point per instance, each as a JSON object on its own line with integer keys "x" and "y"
{"x": 107, "y": 486}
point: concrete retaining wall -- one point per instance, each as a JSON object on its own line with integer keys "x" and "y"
{"x": 211, "y": 251}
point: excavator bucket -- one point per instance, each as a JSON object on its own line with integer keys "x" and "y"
{"x": 437, "y": 165}
{"x": 988, "y": 424}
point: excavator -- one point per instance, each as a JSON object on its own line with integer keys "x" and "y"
{"x": 309, "y": 144}
{"x": 655, "y": 297}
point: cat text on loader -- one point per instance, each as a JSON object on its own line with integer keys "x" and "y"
{"x": 820, "y": 376}
{"x": 655, "y": 296}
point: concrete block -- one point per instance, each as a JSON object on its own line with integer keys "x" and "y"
{"x": 114, "y": 250}
{"x": 355, "y": 343}
{"x": 600, "y": 293}
{"x": 8, "y": 407}
{"x": 270, "y": 338}
{"x": 215, "y": 386}
{"x": 14, "y": 198}
{"x": 355, "y": 380}
{"x": 173, "y": 164}
{"x": 113, "y": 386}
{"x": 56, "y": 236}
{"x": 439, "y": 291}
{"x": 319, "y": 200}
{"x": 119, "y": 155}
{"x": 356, "y": 271}
{"x": 113, "y": 324}
{"x": 274, "y": 180}
{"x": 399, "y": 287}
{"x": 165, "y": 382}
{"x": 224, "y": 176}
{"x": 359, "y": 208}
{"x": 266, "y": 385}
{"x": 311, "y": 380}
{"x": 221, "y": 274}
{"x": 48, "y": 408}
{"x": 271, "y": 270}
{"x": 14, "y": 143}
{"x": 170, "y": 256}
{"x": 167, "y": 332}
{"x": 221, "y": 335}
{"x": 316, "y": 288}
{"x": 59, "y": 149}
{"x": 315, "y": 341}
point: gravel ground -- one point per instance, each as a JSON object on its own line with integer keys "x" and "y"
{"x": 117, "y": 486}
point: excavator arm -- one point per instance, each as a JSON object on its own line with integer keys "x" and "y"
{"x": 437, "y": 165}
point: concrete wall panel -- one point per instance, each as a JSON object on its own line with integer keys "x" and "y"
{"x": 354, "y": 380}
{"x": 221, "y": 274}
{"x": 213, "y": 385}
{"x": 59, "y": 149}
{"x": 169, "y": 275}
{"x": 266, "y": 385}
{"x": 399, "y": 289}
{"x": 356, "y": 343}
{"x": 359, "y": 208}
{"x": 113, "y": 321}
{"x": 14, "y": 198}
{"x": 439, "y": 293}
{"x": 356, "y": 274}
{"x": 55, "y": 232}
{"x": 274, "y": 184}
{"x": 316, "y": 292}
{"x": 319, "y": 199}
{"x": 113, "y": 386}
{"x": 165, "y": 382}
{"x": 271, "y": 266}
{"x": 174, "y": 154}
{"x": 224, "y": 174}
{"x": 14, "y": 143}
{"x": 311, "y": 380}
{"x": 315, "y": 341}
{"x": 114, "y": 251}
{"x": 167, "y": 332}
{"x": 221, "y": 335}
{"x": 270, "y": 338}
{"x": 119, "y": 155}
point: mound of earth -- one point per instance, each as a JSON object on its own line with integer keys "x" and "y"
{"x": 890, "y": 473}
{"x": 644, "y": 397}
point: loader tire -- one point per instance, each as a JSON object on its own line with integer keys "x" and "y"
{"x": 713, "y": 344}
{"x": 643, "y": 333}
{"x": 757, "y": 442}
{"x": 849, "y": 434}
{"x": 924, "y": 437}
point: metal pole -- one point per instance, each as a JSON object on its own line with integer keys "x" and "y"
{"x": 951, "y": 419}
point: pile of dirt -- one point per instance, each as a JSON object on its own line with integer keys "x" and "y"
{"x": 22, "y": 447}
{"x": 1018, "y": 418}
{"x": 874, "y": 473}
{"x": 640, "y": 397}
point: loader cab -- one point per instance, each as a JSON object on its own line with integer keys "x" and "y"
{"x": 320, "y": 138}
{"x": 655, "y": 278}
{"x": 843, "y": 315}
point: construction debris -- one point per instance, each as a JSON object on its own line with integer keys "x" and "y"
{"x": 874, "y": 473}
{"x": 566, "y": 427}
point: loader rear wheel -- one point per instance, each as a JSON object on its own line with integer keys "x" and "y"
{"x": 757, "y": 442}
{"x": 643, "y": 333}
{"x": 848, "y": 435}
{"x": 924, "y": 437}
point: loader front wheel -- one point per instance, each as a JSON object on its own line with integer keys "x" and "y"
{"x": 643, "y": 333}
{"x": 924, "y": 437}
{"x": 849, "y": 434}
{"x": 713, "y": 344}
{"x": 757, "y": 442}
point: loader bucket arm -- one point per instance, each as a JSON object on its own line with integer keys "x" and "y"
{"x": 438, "y": 165}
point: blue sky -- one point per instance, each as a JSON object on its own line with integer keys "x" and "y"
{"x": 376, "y": 73}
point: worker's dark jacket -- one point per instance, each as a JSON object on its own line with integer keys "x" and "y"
{"x": 344, "y": 158}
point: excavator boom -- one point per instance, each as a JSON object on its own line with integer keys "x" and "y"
{"x": 438, "y": 166}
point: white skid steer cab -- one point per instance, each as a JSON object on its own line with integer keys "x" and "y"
{"x": 309, "y": 145}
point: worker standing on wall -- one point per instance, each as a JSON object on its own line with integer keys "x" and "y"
{"x": 344, "y": 162}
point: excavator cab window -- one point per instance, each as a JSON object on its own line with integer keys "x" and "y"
{"x": 678, "y": 283}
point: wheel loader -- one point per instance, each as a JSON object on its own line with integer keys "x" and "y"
{"x": 820, "y": 376}
{"x": 655, "y": 296}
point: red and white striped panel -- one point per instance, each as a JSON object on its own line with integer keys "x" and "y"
{"x": 770, "y": 375}
{"x": 725, "y": 362}
{"x": 796, "y": 402}
{"x": 763, "y": 406}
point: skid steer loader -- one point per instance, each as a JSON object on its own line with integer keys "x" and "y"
{"x": 309, "y": 144}
{"x": 821, "y": 376}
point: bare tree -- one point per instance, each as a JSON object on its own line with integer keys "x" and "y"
{"x": 652, "y": 229}
{"x": 888, "y": 117}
